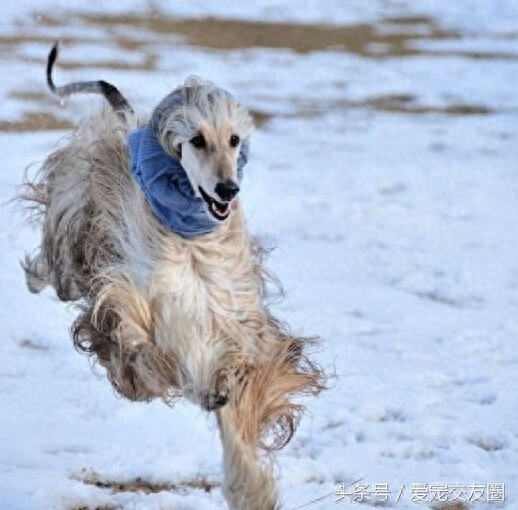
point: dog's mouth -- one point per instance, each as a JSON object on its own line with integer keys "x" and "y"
{"x": 220, "y": 210}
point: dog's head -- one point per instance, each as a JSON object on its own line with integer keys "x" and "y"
{"x": 207, "y": 130}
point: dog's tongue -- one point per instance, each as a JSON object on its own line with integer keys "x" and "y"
{"x": 233, "y": 204}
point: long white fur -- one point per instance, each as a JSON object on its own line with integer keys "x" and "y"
{"x": 166, "y": 316}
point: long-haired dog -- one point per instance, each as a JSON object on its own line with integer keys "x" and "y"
{"x": 142, "y": 228}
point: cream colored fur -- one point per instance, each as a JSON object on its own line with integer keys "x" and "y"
{"x": 166, "y": 316}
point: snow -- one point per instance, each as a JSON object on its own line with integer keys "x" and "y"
{"x": 396, "y": 243}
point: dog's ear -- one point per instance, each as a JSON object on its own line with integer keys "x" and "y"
{"x": 160, "y": 115}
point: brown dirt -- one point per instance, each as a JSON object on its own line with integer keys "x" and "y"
{"x": 390, "y": 38}
{"x": 226, "y": 34}
{"x": 45, "y": 121}
{"x": 451, "y": 506}
{"x": 35, "y": 121}
{"x": 103, "y": 507}
{"x": 145, "y": 486}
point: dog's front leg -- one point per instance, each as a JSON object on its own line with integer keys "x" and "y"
{"x": 248, "y": 484}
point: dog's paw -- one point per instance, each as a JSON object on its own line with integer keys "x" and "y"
{"x": 218, "y": 395}
{"x": 213, "y": 400}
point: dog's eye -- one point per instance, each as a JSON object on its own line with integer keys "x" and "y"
{"x": 198, "y": 141}
{"x": 234, "y": 141}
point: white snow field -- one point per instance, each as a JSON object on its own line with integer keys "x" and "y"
{"x": 384, "y": 168}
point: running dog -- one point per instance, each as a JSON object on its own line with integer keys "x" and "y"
{"x": 143, "y": 230}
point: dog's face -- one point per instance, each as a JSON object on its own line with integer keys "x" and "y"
{"x": 205, "y": 128}
{"x": 210, "y": 160}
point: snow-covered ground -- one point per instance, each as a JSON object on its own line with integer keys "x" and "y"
{"x": 386, "y": 172}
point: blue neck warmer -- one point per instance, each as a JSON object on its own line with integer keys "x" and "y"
{"x": 167, "y": 188}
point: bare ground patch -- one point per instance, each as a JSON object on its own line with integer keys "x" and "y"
{"x": 391, "y": 103}
{"x": 143, "y": 486}
{"x": 103, "y": 507}
{"x": 362, "y": 38}
{"x": 137, "y": 35}
{"x": 35, "y": 121}
{"x": 389, "y": 37}
{"x": 450, "y": 506}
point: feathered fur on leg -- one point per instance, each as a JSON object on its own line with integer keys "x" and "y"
{"x": 261, "y": 416}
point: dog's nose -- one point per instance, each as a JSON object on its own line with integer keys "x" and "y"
{"x": 227, "y": 190}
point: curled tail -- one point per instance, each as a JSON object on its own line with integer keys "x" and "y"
{"x": 111, "y": 93}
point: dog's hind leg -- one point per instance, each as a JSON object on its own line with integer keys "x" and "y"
{"x": 36, "y": 272}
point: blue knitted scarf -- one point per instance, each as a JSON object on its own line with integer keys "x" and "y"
{"x": 165, "y": 184}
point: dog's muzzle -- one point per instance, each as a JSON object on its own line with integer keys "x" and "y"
{"x": 227, "y": 191}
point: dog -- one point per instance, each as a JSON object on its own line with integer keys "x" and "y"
{"x": 143, "y": 229}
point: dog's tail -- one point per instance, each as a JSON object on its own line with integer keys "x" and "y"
{"x": 111, "y": 93}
